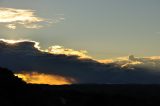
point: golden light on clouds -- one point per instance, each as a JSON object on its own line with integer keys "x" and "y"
{"x": 105, "y": 61}
{"x": 123, "y": 62}
{"x": 53, "y": 49}
{"x": 41, "y": 78}
{"x": 131, "y": 63}
{"x": 125, "y": 58}
{"x": 153, "y": 58}
{"x": 66, "y": 51}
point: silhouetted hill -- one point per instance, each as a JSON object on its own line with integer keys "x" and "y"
{"x": 15, "y": 92}
{"x": 7, "y": 78}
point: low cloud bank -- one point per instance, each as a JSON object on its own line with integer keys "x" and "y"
{"x": 27, "y": 56}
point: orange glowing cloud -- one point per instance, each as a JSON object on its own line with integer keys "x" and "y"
{"x": 106, "y": 61}
{"x": 41, "y": 78}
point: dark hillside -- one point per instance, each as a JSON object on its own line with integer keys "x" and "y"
{"x": 15, "y": 92}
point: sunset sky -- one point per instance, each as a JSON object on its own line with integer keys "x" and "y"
{"x": 103, "y": 28}
{"x": 81, "y": 41}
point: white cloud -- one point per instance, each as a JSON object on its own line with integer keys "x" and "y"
{"x": 10, "y": 16}
{"x": 18, "y": 15}
{"x": 27, "y": 18}
{"x": 11, "y": 26}
{"x": 33, "y": 26}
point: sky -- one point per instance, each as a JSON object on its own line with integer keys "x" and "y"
{"x": 104, "y": 28}
{"x": 81, "y": 41}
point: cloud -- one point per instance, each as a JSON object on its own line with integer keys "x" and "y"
{"x": 106, "y": 61}
{"x": 14, "y": 15}
{"x": 11, "y": 26}
{"x": 149, "y": 63}
{"x": 18, "y": 16}
{"x": 41, "y": 78}
{"x": 27, "y": 56}
{"x": 56, "y": 49}
{"x": 27, "y": 18}
{"x": 33, "y": 26}
{"x": 66, "y": 51}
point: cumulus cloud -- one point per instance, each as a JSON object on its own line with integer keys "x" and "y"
{"x": 27, "y": 18}
{"x": 27, "y": 56}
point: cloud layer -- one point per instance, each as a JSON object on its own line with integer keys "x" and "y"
{"x": 27, "y": 56}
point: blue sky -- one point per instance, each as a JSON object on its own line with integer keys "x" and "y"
{"x": 105, "y": 28}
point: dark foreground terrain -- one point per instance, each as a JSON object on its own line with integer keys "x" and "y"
{"x": 15, "y": 92}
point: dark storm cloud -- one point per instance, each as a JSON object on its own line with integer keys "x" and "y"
{"x": 26, "y": 56}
